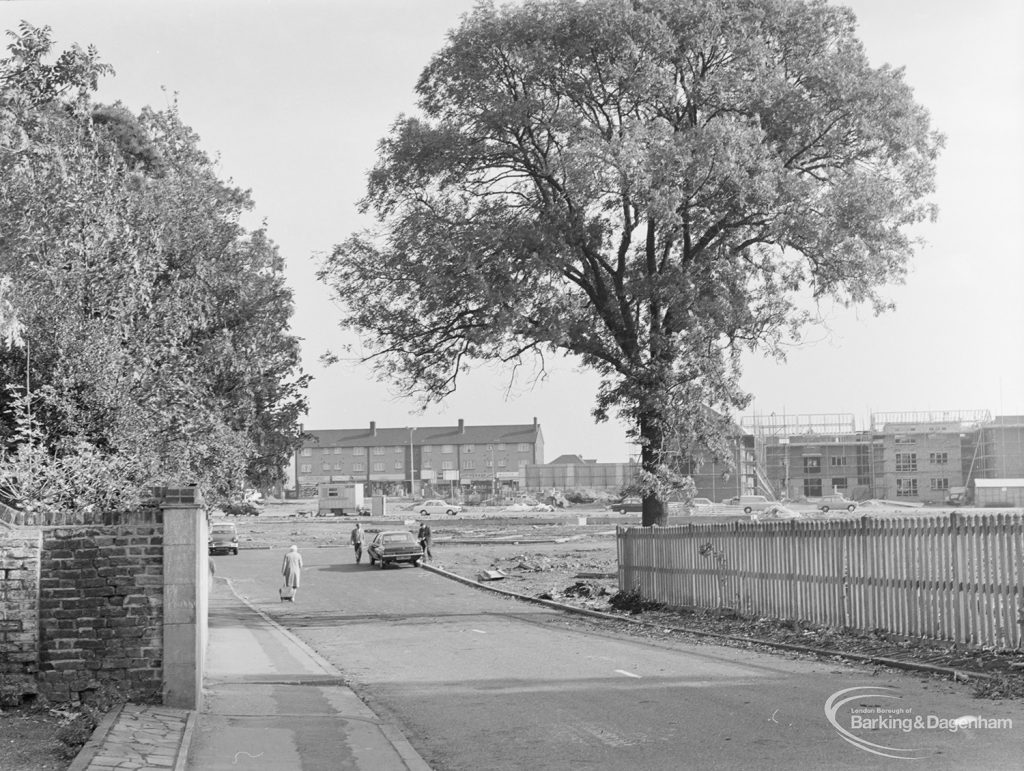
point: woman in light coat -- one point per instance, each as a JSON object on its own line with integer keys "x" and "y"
{"x": 291, "y": 569}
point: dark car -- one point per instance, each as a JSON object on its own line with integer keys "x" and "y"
{"x": 223, "y": 538}
{"x": 394, "y": 546}
{"x": 627, "y": 505}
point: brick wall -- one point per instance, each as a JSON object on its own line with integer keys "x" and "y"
{"x": 81, "y": 609}
{"x": 19, "y": 622}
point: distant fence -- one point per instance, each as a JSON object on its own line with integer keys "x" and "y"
{"x": 956, "y": 578}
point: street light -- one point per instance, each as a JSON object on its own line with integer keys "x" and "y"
{"x": 411, "y": 483}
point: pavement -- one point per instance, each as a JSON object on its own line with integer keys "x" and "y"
{"x": 270, "y": 702}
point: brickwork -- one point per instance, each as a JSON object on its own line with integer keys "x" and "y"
{"x": 20, "y": 550}
{"x": 101, "y": 609}
{"x": 82, "y": 609}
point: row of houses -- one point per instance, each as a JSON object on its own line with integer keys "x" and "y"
{"x": 915, "y": 457}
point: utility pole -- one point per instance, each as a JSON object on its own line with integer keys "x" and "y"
{"x": 411, "y": 471}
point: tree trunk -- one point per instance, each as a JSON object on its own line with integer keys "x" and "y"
{"x": 651, "y": 457}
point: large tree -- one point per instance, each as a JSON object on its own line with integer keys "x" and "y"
{"x": 148, "y": 325}
{"x": 651, "y": 186}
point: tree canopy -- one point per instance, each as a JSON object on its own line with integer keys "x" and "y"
{"x": 647, "y": 185}
{"x": 147, "y": 325}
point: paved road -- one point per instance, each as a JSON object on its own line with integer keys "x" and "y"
{"x": 477, "y": 681}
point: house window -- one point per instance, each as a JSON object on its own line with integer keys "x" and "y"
{"x": 938, "y": 459}
{"x": 399, "y": 465}
{"x": 940, "y": 484}
{"x": 325, "y": 466}
{"x": 448, "y": 448}
{"x": 358, "y": 467}
{"x": 468, "y": 463}
{"x": 337, "y": 451}
{"x": 906, "y": 488}
{"x": 839, "y": 483}
{"x": 864, "y": 481}
{"x": 904, "y": 439}
{"x": 378, "y": 466}
{"x": 306, "y": 468}
{"x": 447, "y": 465}
{"x": 425, "y": 463}
{"x": 467, "y": 448}
{"x": 812, "y": 487}
{"x": 906, "y": 461}
{"x": 837, "y": 462}
{"x": 306, "y": 452}
{"x": 358, "y": 451}
{"x": 501, "y": 446}
{"x": 812, "y": 465}
{"x": 502, "y": 462}
{"x": 379, "y": 450}
{"x": 523, "y": 447}
{"x": 337, "y": 467}
{"x": 427, "y": 448}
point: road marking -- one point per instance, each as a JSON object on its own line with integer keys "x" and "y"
{"x": 480, "y": 631}
{"x": 627, "y": 674}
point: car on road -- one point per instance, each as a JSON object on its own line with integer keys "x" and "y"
{"x": 752, "y": 503}
{"x": 394, "y": 546}
{"x": 701, "y": 502}
{"x": 827, "y": 502}
{"x": 428, "y": 508}
{"x": 223, "y": 538}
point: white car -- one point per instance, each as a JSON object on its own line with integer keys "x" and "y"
{"x": 427, "y": 508}
{"x": 836, "y": 502}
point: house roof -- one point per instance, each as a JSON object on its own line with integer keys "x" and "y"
{"x": 372, "y": 436}
{"x": 570, "y": 460}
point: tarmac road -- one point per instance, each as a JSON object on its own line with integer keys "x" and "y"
{"x": 477, "y": 681}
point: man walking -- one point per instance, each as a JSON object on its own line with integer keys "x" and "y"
{"x": 357, "y": 541}
{"x": 424, "y": 538}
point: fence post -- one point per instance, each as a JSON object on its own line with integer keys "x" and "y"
{"x": 958, "y": 596}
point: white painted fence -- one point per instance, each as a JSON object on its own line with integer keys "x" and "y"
{"x": 956, "y": 578}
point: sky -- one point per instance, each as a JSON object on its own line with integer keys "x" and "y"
{"x": 292, "y": 96}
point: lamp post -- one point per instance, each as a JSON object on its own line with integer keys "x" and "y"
{"x": 411, "y": 471}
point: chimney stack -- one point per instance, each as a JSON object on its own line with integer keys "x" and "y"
{"x": 373, "y": 428}
{"x": 462, "y": 426}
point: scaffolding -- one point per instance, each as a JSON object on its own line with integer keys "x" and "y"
{"x": 965, "y": 418}
{"x": 776, "y": 426}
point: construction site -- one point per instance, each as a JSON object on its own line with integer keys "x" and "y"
{"x": 921, "y": 457}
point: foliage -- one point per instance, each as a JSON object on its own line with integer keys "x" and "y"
{"x": 157, "y": 323}
{"x": 650, "y": 186}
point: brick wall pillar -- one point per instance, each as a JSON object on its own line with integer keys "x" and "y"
{"x": 186, "y": 595}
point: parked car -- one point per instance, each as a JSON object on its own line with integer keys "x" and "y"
{"x": 427, "y": 508}
{"x": 627, "y": 505}
{"x": 394, "y": 546}
{"x": 223, "y": 538}
{"x": 827, "y": 502}
{"x": 701, "y": 502}
{"x": 752, "y": 503}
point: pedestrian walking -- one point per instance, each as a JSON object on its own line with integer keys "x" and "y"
{"x": 291, "y": 569}
{"x": 424, "y": 538}
{"x": 356, "y": 538}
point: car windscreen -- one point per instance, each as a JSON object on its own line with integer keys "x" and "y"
{"x": 397, "y": 538}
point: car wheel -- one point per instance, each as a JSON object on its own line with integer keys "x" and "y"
{"x": 235, "y": 552}
{"x": 851, "y": 507}
{"x": 451, "y": 513}
{"x": 424, "y": 513}
{"x": 824, "y": 509}
{"x": 747, "y": 510}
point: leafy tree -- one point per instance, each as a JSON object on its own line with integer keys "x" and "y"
{"x": 149, "y": 325}
{"x": 650, "y": 186}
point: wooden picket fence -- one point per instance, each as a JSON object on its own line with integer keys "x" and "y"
{"x": 956, "y": 578}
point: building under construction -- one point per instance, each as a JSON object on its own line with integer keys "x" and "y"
{"x": 912, "y": 456}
